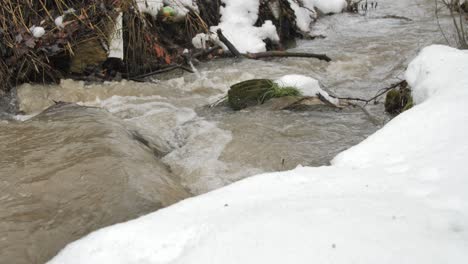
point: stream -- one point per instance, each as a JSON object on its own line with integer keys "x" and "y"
{"x": 131, "y": 148}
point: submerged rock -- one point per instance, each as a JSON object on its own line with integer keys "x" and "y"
{"x": 70, "y": 171}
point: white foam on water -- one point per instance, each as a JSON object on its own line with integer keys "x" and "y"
{"x": 23, "y": 118}
{"x": 195, "y": 143}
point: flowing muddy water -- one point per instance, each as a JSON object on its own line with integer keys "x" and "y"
{"x": 163, "y": 143}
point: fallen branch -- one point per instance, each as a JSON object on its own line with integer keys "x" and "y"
{"x": 164, "y": 70}
{"x": 380, "y": 93}
{"x": 270, "y": 54}
{"x": 218, "y": 102}
{"x": 395, "y": 17}
{"x": 326, "y": 101}
{"x": 376, "y": 121}
{"x": 267, "y": 54}
{"x": 228, "y": 44}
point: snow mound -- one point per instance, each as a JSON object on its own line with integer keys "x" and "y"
{"x": 306, "y": 85}
{"x": 238, "y": 18}
{"x": 439, "y": 80}
{"x": 398, "y": 197}
{"x": 330, "y": 6}
{"x": 428, "y": 79}
{"x": 237, "y": 23}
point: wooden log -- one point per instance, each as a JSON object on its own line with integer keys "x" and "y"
{"x": 269, "y": 54}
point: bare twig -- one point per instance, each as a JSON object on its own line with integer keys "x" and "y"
{"x": 164, "y": 70}
{"x": 438, "y": 22}
{"x": 379, "y": 94}
{"x": 376, "y": 121}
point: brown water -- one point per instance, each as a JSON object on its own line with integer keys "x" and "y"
{"x": 146, "y": 145}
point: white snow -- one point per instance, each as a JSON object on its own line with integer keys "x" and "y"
{"x": 37, "y": 32}
{"x": 304, "y": 15}
{"x": 306, "y": 85}
{"x": 237, "y": 23}
{"x": 116, "y": 47}
{"x": 423, "y": 74}
{"x": 200, "y": 40}
{"x": 330, "y": 6}
{"x": 59, "y": 22}
{"x": 239, "y": 16}
{"x": 398, "y": 197}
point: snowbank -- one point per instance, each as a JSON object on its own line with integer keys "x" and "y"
{"x": 238, "y": 18}
{"x": 398, "y": 197}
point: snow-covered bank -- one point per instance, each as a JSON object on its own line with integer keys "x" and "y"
{"x": 398, "y": 197}
{"x": 238, "y": 19}
{"x": 237, "y": 22}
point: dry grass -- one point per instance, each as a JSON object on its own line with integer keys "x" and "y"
{"x": 28, "y": 59}
{"x": 459, "y": 16}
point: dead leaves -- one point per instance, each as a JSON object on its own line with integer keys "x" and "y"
{"x": 162, "y": 53}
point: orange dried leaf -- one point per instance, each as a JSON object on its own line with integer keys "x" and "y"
{"x": 167, "y": 59}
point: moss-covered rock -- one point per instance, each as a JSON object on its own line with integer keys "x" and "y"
{"x": 248, "y": 93}
{"x": 409, "y": 104}
{"x": 88, "y": 53}
{"x": 392, "y": 101}
{"x": 257, "y": 91}
{"x": 398, "y": 100}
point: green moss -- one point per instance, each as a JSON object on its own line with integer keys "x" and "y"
{"x": 279, "y": 91}
{"x": 88, "y": 53}
{"x": 398, "y": 101}
{"x": 392, "y": 101}
{"x": 248, "y": 93}
{"x": 257, "y": 91}
{"x": 409, "y": 104}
